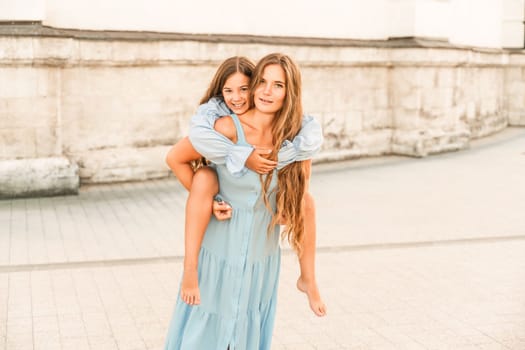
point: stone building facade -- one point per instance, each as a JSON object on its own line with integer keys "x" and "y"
{"x": 80, "y": 106}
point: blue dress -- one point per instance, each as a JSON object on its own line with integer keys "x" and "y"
{"x": 238, "y": 272}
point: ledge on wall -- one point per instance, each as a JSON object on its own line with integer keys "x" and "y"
{"x": 37, "y": 29}
{"x": 38, "y": 177}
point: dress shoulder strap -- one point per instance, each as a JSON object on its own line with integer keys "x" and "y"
{"x": 240, "y": 131}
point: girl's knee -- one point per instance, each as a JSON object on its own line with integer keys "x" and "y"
{"x": 205, "y": 180}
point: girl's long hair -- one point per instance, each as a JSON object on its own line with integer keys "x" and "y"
{"x": 230, "y": 66}
{"x": 285, "y": 126}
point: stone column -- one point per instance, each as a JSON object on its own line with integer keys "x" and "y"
{"x": 512, "y": 29}
{"x": 31, "y": 158}
{"x": 515, "y": 89}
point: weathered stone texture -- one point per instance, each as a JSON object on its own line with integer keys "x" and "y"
{"x": 127, "y": 107}
{"x": 122, "y": 164}
{"x": 114, "y": 106}
{"x": 515, "y": 95}
{"x": 429, "y": 141}
{"x": 28, "y": 113}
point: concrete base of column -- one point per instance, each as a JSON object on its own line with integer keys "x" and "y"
{"x": 38, "y": 177}
{"x": 517, "y": 119}
{"x": 421, "y": 143}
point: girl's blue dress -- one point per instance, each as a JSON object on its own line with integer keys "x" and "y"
{"x": 239, "y": 260}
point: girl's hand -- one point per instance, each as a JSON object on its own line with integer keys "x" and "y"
{"x": 221, "y": 210}
{"x": 258, "y": 162}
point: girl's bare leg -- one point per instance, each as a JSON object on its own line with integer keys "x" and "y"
{"x": 307, "y": 282}
{"x": 198, "y": 213}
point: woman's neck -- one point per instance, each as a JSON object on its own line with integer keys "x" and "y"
{"x": 258, "y": 128}
{"x": 259, "y": 119}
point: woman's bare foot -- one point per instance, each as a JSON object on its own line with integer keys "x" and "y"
{"x": 189, "y": 291}
{"x": 314, "y": 298}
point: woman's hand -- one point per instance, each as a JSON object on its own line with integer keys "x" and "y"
{"x": 221, "y": 210}
{"x": 258, "y": 162}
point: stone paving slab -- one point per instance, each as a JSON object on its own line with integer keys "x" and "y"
{"x": 448, "y": 296}
{"x": 119, "y": 221}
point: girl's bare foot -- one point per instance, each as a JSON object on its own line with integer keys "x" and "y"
{"x": 189, "y": 291}
{"x": 314, "y": 298}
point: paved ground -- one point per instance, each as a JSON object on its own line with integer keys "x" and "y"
{"x": 414, "y": 254}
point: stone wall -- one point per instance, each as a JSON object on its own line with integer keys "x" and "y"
{"x": 113, "y": 103}
{"x": 515, "y": 89}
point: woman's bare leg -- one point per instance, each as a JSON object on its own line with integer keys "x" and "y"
{"x": 204, "y": 187}
{"x": 307, "y": 282}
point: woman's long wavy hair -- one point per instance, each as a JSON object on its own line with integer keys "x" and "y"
{"x": 230, "y": 66}
{"x": 285, "y": 126}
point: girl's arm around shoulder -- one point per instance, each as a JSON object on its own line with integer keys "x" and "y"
{"x": 209, "y": 112}
{"x": 306, "y": 144}
{"x": 309, "y": 140}
{"x": 219, "y": 145}
{"x": 226, "y": 126}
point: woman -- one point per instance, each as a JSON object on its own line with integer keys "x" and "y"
{"x": 239, "y": 258}
{"x": 229, "y": 92}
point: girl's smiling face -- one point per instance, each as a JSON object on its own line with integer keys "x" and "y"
{"x": 236, "y": 93}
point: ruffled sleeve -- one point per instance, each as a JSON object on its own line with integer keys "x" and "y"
{"x": 213, "y": 145}
{"x": 304, "y": 146}
{"x": 208, "y": 113}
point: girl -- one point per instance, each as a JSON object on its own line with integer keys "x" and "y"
{"x": 231, "y": 83}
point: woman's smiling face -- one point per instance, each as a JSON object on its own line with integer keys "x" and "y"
{"x": 270, "y": 93}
